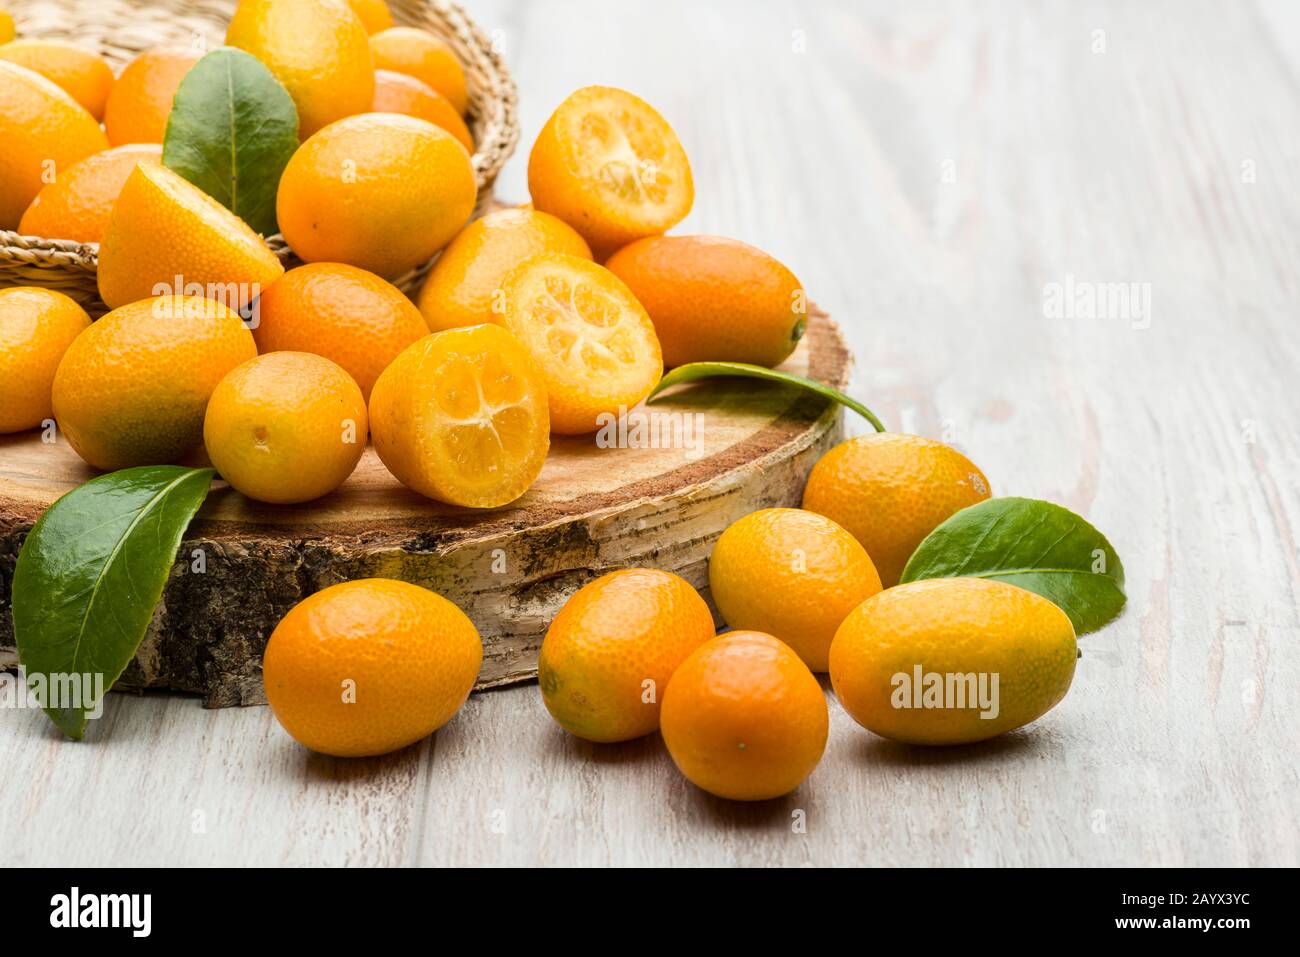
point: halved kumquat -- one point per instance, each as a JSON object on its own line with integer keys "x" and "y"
{"x": 460, "y": 416}
{"x": 611, "y": 167}
{"x": 591, "y": 338}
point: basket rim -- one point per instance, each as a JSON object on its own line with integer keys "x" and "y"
{"x": 491, "y": 151}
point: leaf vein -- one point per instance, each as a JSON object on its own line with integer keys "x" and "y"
{"x": 148, "y": 507}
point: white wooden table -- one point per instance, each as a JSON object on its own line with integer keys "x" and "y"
{"x": 929, "y": 171}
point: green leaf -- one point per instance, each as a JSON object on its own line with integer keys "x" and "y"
{"x": 1039, "y": 546}
{"x": 89, "y": 575}
{"x": 232, "y": 129}
{"x": 693, "y": 371}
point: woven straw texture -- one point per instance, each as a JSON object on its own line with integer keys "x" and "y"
{"x": 121, "y": 29}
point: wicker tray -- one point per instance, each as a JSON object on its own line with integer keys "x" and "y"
{"x": 121, "y": 29}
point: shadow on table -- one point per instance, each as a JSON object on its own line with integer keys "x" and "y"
{"x": 559, "y": 745}
{"x": 758, "y": 815}
{"x": 650, "y": 750}
{"x": 870, "y": 750}
{"x": 323, "y": 767}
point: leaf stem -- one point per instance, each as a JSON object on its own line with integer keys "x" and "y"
{"x": 694, "y": 371}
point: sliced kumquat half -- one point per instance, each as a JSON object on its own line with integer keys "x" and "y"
{"x": 611, "y": 167}
{"x": 594, "y": 342}
{"x": 461, "y": 417}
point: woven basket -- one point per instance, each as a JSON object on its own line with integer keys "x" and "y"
{"x": 121, "y": 29}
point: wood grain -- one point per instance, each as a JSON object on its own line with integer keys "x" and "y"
{"x": 927, "y": 170}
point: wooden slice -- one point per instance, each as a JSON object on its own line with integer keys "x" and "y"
{"x": 702, "y": 457}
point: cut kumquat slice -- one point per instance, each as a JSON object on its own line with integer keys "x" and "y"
{"x": 461, "y": 416}
{"x": 611, "y": 167}
{"x": 591, "y": 338}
